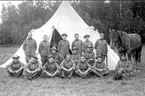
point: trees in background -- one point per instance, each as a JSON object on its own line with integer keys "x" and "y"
{"x": 126, "y": 15}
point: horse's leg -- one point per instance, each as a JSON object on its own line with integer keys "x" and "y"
{"x": 139, "y": 54}
{"x": 134, "y": 54}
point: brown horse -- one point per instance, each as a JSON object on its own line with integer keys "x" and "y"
{"x": 126, "y": 43}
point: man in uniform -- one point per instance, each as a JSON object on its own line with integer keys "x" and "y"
{"x": 56, "y": 56}
{"x": 16, "y": 67}
{"x": 123, "y": 69}
{"x": 90, "y": 55}
{"x": 51, "y": 68}
{"x": 101, "y": 47}
{"x": 83, "y": 68}
{"x": 33, "y": 68}
{"x": 86, "y": 43}
{"x": 44, "y": 49}
{"x": 29, "y": 47}
{"x": 99, "y": 68}
{"x": 67, "y": 67}
{"x": 63, "y": 46}
{"x": 75, "y": 56}
{"x": 77, "y": 43}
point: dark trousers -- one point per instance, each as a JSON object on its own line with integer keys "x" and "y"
{"x": 33, "y": 75}
{"x": 18, "y": 74}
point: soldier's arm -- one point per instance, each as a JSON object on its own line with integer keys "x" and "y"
{"x": 39, "y": 49}
{"x": 83, "y": 47}
{"x": 93, "y": 57}
{"x": 106, "y": 47}
{"x": 48, "y": 47}
{"x": 24, "y": 45}
{"x": 8, "y": 67}
{"x": 72, "y": 45}
{"x": 77, "y": 66}
{"x": 74, "y": 64}
{"x": 35, "y": 44}
{"x": 59, "y": 46}
{"x": 96, "y": 45}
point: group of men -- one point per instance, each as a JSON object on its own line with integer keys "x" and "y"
{"x": 57, "y": 61}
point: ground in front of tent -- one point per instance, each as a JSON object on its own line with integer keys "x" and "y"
{"x": 72, "y": 87}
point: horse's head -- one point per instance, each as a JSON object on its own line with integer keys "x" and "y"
{"x": 114, "y": 38}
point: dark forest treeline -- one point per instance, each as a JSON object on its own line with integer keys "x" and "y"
{"x": 126, "y": 15}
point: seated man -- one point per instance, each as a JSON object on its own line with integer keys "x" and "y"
{"x": 16, "y": 67}
{"x": 75, "y": 56}
{"x": 33, "y": 69}
{"x": 99, "y": 68}
{"x": 50, "y": 68}
{"x": 56, "y": 56}
{"x": 123, "y": 69}
{"x": 67, "y": 67}
{"x": 83, "y": 67}
{"x": 90, "y": 55}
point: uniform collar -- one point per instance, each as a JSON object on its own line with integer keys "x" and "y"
{"x": 29, "y": 38}
{"x": 15, "y": 63}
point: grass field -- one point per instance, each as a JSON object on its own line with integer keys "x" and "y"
{"x": 72, "y": 87}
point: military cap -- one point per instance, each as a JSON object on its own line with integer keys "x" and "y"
{"x": 35, "y": 57}
{"x": 74, "y": 48}
{"x": 86, "y": 36}
{"x": 16, "y": 57}
{"x": 53, "y": 48}
{"x": 64, "y": 34}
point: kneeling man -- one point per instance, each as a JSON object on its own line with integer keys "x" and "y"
{"x": 123, "y": 69}
{"x": 50, "y": 68}
{"x": 33, "y": 69}
{"x": 83, "y": 67}
{"x": 99, "y": 67}
{"x": 68, "y": 67}
{"x": 16, "y": 67}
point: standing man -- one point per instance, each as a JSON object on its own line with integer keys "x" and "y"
{"x": 77, "y": 43}
{"x": 44, "y": 49}
{"x": 87, "y": 43}
{"x": 101, "y": 47}
{"x": 63, "y": 46}
{"x": 29, "y": 47}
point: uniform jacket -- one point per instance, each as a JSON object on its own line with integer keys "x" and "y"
{"x": 68, "y": 64}
{"x": 83, "y": 66}
{"x": 87, "y": 44}
{"x": 30, "y": 46}
{"x": 89, "y": 55}
{"x": 78, "y": 44}
{"x": 33, "y": 66}
{"x": 101, "y": 47}
{"x": 44, "y": 48}
{"x": 63, "y": 47}
{"x": 51, "y": 67}
{"x": 14, "y": 66}
{"x": 75, "y": 57}
{"x": 58, "y": 57}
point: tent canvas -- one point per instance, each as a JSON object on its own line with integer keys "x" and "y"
{"x": 66, "y": 20}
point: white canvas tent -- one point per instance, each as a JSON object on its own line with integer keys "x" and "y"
{"x": 66, "y": 20}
